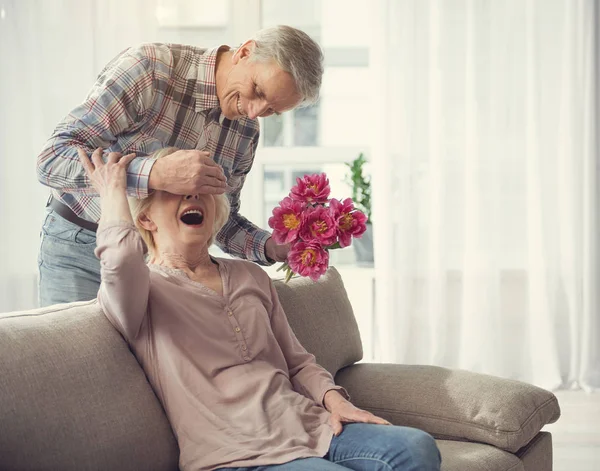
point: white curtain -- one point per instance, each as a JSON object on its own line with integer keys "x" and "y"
{"x": 41, "y": 78}
{"x": 50, "y": 53}
{"x": 485, "y": 187}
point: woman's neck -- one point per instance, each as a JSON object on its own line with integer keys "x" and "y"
{"x": 193, "y": 261}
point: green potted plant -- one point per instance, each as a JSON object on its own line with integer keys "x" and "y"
{"x": 361, "y": 195}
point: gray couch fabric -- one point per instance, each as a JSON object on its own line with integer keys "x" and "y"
{"x": 457, "y": 456}
{"x": 73, "y": 397}
{"x": 321, "y": 316}
{"x": 537, "y": 454}
{"x": 453, "y": 404}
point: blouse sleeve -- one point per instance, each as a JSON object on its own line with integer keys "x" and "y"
{"x": 307, "y": 377}
{"x": 125, "y": 285}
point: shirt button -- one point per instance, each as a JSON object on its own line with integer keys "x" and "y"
{"x": 247, "y": 358}
{"x": 230, "y": 313}
{"x": 237, "y": 329}
{"x": 244, "y": 348}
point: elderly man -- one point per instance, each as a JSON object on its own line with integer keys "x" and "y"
{"x": 203, "y": 101}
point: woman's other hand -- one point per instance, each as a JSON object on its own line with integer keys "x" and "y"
{"x": 343, "y": 411}
{"x": 109, "y": 176}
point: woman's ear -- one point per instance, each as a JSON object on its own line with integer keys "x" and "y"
{"x": 147, "y": 223}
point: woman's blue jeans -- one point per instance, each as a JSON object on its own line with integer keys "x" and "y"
{"x": 368, "y": 447}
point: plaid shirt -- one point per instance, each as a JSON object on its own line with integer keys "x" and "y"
{"x": 147, "y": 98}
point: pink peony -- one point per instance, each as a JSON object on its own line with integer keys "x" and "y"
{"x": 311, "y": 189}
{"x": 349, "y": 221}
{"x": 318, "y": 225}
{"x": 308, "y": 259}
{"x": 286, "y": 221}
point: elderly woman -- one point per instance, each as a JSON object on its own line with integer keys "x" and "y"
{"x": 238, "y": 388}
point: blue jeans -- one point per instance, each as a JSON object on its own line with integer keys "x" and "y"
{"x": 368, "y": 447}
{"x": 68, "y": 269}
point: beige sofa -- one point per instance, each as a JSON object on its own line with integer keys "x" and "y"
{"x": 73, "y": 397}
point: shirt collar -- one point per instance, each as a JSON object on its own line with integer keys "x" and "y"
{"x": 206, "y": 90}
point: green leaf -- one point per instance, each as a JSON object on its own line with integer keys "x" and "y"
{"x": 361, "y": 184}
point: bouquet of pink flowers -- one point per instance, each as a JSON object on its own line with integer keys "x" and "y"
{"x": 313, "y": 224}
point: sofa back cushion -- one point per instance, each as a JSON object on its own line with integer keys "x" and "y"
{"x": 73, "y": 397}
{"x": 321, "y": 316}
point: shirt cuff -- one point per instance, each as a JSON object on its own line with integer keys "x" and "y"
{"x": 260, "y": 252}
{"x": 339, "y": 389}
{"x": 119, "y": 224}
{"x": 138, "y": 176}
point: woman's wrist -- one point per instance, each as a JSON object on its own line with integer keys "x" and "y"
{"x": 332, "y": 399}
{"x": 115, "y": 207}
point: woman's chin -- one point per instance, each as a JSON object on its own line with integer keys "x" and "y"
{"x": 195, "y": 237}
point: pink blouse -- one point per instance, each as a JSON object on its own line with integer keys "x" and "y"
{"x": 236, "y": 384}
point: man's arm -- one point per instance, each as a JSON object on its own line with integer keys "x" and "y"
{"x": 240, "y": 237}
{"x": 119, "y": 102}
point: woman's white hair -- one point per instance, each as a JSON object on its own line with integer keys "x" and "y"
{"x": 296, "y": 53}
{"x": 139, "y": 206}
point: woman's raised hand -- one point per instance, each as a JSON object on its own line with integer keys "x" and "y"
{"x": 109, "y": 176}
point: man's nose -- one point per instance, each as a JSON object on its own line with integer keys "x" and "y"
{"x": 256, "y": 108}
{"x": 189, "y": 197}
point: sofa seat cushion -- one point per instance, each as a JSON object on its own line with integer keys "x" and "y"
{"x": 467, "y": 456}
{"x": 73, "y": 397}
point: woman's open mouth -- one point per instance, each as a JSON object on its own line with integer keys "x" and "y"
{"x": 192, "y": 217}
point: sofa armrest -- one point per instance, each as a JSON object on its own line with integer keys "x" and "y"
{"x": 452, "y": 404}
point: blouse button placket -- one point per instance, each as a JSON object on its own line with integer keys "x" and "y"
{"x": 238, "y": 333}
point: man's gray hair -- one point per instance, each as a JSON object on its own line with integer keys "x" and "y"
{"x": 297, "y": 54}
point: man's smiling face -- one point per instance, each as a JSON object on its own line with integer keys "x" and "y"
{"x": 255, "y": 88}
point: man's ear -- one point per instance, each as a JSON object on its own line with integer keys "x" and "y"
{"x": 146, "y": 222}
{"x": 244, "y": 51}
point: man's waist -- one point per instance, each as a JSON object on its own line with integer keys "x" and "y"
{"x": 67, "y": 213}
